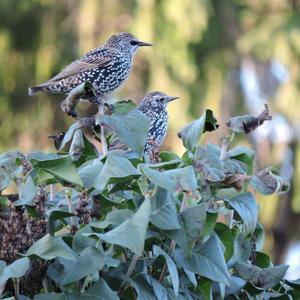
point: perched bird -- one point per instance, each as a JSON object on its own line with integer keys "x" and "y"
{"x": 154, "y": 106}
{"x": 106, "y": 67}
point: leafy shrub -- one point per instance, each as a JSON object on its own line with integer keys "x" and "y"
{"x": 90, "y": 226}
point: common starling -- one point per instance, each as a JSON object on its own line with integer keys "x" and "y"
{"x": 106, "y": 67}
{"x": 154, "y": 106}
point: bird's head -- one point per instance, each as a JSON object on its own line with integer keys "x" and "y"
{"x": 157, "y": 100}
{"x": 125, "y": 42}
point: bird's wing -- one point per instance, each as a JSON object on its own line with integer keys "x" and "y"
{"x": 84, "y": 64}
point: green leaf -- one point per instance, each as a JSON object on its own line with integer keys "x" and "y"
{"x": 211, "y": 219}
{"x": 15, "y": 270}
{"x": 51, "y": 296}
{"x": 247, "y": 271}
{"x": 116, "y": 169}
{"x": 102, "y": 290}
{"x": 192, "y": 132}
{"x": 270, "y": 277}
{"x": 207, "y": 261}
{"x": 114, "y": 218}
{"x": 56, "y": 214}
{"x": 49, "y": 247}
{"x": 242, "y": 250}
{"x": 171, "y": 267}
{"x": 132, "y": 232}
{"x": 262, "y": 278}
{"x": 262, "y": 260}
{"x": 192, "y": 221}
{"x": 182, "y": 179}
{"x": 123, "y": 107}
{"x": 163, "y": 212}
{"x": 243, "y": 154}
{"x": 90, "y": 261}
{"x": 69, "y": 134}
{"x": 205, "y": 288}
{"x": 131, "y": 128}
{"x": 28, "y": 193}
{"x": 62, "y": 168}
{"x": 89, "y": 171}
{"x": 268, "y": 182}
{"x": 225, "y": 235}
{"x": 245, "y": 205}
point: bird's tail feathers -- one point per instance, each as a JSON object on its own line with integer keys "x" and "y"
{"x": 35, "y": 89}
{"x": 45, "y": 87}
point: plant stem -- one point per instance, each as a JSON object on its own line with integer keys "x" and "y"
{"x": 102, "y": 133}
{"x": 2, "y": 287}
{"x": 70, "y": 205}
{"x": 131, "y": 267}
{"x": 52, "y": 191}
{"x": 224, "y": 146}
{"x": 173, "y": 243}
{"x": 16, "y": 282}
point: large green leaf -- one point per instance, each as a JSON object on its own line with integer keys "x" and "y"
{"x": 171, "y": 267}
{"x": 114, "y": 218}
{"x": 241, "y": 249}
{"x": 102, "y": 290}
{"x": 15, "y": 270}
{"x": 62, "y": 168}
{"x": 192, "y": 223}
{"x": 245, "y": 205}
{"x": 262, "y": 278}
{"x": 89, "y": 171}
{"x": 132, "y": 232}
{"x": 192, "y": 132}
{"x": 163, "y": 212}
{"x": 90, "y": 261}
{"x": 131, "y": 128}
{"x": 182, "y": 179}
{"x": 226, "y": 237}
{"x": 51, "y": 296}
{"x": 116, "y": 169}
{"x": 49, "y": 247}
{"x": 207, "y": 261}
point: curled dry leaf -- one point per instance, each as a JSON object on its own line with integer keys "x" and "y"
{"x": 77, "y": 145}
{"x": 267, "y": 182}
{"x": 248, "y": 123}
{"x": 236, "y": 181}
{"x": 57, "y": 139}
{"x": 84, "y": 90}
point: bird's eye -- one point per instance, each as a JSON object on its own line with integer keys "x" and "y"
{"x": 133, "y": 42}
{"x": 161, "y": 99}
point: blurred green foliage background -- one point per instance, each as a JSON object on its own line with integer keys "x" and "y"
{"x": 230, "y": 56}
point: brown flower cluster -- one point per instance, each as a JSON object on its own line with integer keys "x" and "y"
{"x": 19, "y": 230}
{"x": 82, "y": 210}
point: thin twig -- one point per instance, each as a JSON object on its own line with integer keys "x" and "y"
{"x": 131, "y": 267}
{"x": 52, "y": 192}
{"x": 45, "y": 285}
{"x": 224, "y": 147}
{"x": 102, "y": 132}
{"x": 16, "y": 282}
{"x": 70, "y": 205}
{"x": 2, "y": 287}
{"x": 173, "y": 243}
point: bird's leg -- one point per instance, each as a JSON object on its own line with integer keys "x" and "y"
{"x": 100, "y": 104}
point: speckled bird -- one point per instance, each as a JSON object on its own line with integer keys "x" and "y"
{"x": 154, "y": 106}
{"x": 106, "y": 67}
